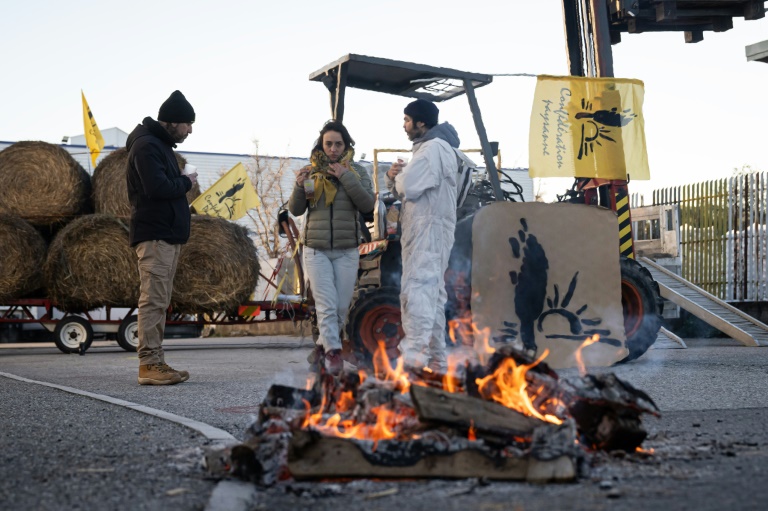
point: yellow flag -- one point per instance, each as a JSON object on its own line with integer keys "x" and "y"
{"x": 230, "y": 197}
{"x": 93, "y": 138}
{"x": 588, "y": 127}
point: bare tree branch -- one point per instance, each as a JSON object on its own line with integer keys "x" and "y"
{"x": 267, "y": 177}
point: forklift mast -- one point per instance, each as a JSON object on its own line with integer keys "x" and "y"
{"x": 588, "y": 45}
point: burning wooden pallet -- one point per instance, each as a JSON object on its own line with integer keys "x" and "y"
{"x": 510, "y": 418}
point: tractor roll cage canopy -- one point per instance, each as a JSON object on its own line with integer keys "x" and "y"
{"x": 411, "y": 81}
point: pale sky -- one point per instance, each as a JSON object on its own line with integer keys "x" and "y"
{"x": 244, "y": 66}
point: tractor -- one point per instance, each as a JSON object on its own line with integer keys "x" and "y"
{"x": 375, "y": 313}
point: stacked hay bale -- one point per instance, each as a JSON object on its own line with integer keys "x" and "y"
{"x": 43, "y": 188}
{"x": 90, "y": 265}
{"x": 218, "y": 267}
{"x": 23, "y": 253}
{"x": 110, "y": 189}
{"x": 43, "y": 184}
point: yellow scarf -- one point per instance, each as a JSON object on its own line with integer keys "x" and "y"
{"x": 324, "y": 185}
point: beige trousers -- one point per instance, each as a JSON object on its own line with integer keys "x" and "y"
{"x": 157, "y": 266}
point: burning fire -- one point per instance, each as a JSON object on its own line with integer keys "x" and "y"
{"x": 579, "y": 361}
{"x": 449, "y": 379}
{"x": 349, "y": 428}
{"x": 508, "y": 386}
{"x": 383, "y": 369}
{"x": 463, "y": 329}
{"x": 386, "y": 420}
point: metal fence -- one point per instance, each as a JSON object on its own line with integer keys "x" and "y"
{"x": 723, "y": 238}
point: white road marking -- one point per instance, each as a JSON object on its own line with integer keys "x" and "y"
{"x": 208, "y": 431}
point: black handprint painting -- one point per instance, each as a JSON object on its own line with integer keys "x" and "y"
{"x": 544, "y": 286}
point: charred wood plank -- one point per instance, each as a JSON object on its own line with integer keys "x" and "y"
{"x": 282, "y": 396}
{"x": 607, "y": 411}
{"x": 438, "y": 406}
{"x": 311, "y": 456}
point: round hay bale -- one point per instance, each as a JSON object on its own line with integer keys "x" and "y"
{"x": 43, "y": 184}
{"x": 91, "y": 265}
{"x": 218, "y": 267}
{"x": 110, "y": 190}
{"x": 23, "y": 253}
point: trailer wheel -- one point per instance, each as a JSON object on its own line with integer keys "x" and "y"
{"x": 642, "y": 305}
{"x": 374, "y": 317}
{"x": 128, "y": 333}
{"x": 71, "y": 332}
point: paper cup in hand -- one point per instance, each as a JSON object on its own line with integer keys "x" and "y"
{"x": 190, "y": 169}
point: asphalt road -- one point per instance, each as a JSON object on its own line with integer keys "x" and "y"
{"x": 64, "y": 451}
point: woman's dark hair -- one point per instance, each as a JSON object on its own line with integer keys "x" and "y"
{"x": 338, "y": 127}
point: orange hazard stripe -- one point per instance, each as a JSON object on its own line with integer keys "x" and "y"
{"x": 247, "y": 311}
{"x": 369, "y": 247}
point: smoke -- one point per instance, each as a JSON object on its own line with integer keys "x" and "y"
{"x": 689, "y": 326}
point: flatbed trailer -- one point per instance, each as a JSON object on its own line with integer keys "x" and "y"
{"x": 74, "y": 332}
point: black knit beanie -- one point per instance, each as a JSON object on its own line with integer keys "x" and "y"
{"x": 422, "y": 110}
{"x": 176, "y": 109}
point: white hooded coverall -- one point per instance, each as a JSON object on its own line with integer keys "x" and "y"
{"x": 427, "y": 189}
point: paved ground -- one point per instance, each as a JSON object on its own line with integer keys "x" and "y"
{"x": 63, "y": 451}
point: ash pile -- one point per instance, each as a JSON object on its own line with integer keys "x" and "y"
{"x": 500, "y": 415}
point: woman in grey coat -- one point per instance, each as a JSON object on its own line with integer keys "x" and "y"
{"x": 333, "y": 190}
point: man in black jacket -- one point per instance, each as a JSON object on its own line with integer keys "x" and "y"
{"x": 160, "y": 222}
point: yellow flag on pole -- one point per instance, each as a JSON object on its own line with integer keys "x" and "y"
{"x": 230, "y": 197}
{"x": 93, "y": 138}
{"x": 588, "y": 127}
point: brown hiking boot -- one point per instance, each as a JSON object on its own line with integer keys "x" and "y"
{"x": 184, "y": 374}
{"x": 158, "y": 374}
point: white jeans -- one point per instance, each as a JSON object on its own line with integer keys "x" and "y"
{"x": 332, "y": 275}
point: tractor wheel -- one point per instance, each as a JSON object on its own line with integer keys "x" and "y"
{"x": 128, "y": 333}
{"x": 73, "y": 334}
{"x": 374, "y": 317}
{"x": 642, "y": 305}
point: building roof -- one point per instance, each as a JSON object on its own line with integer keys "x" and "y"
{"x": 114, "y": 137}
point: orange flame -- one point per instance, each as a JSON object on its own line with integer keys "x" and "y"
{"x": 386, "y": 419}
{"x": 346, "y": 402}
{"x": 507, "y": 386}
{"x": 449, "y": 379}
{"x": 483, "y": 344}
{"x": 384, "y": 371}
{"x": 510, "y": 388}
{"x": 577, "y": 354}
{"x": 464, "y": 328}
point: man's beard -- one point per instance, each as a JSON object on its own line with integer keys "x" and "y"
{"x": 416, "y": 133}
{"x": 175, "y": 134}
